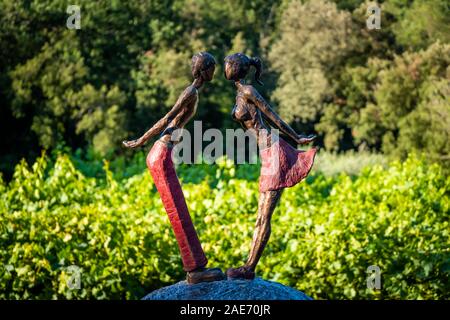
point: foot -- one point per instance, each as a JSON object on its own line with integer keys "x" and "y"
{"x": 240, "y": 273}
{"x": 205, "y": 275}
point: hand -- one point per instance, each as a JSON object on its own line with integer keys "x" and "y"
{"x": 132, "y": 144}
{"x": 306, "y": 139}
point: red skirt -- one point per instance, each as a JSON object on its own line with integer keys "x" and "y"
{"x": 282, "y": 166}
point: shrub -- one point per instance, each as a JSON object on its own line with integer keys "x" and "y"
{"x": 326, "y": 231}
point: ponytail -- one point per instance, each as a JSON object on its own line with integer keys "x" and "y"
{"x": 257, "y": 63}
{"x": 238, "y": 65}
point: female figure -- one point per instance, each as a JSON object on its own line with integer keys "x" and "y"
{"x": 282, "y": 165}
{"x": 159, "y": 162}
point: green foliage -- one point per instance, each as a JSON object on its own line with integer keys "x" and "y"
{"x": 326, "y": 231}
{"x": 326, "y": 72}
{"x": 421, "y": 22}
{"x": 351, "y": 163}
{"x": 313, "y": 37}
{"x": 359, "y": 88}
{"x": 408, "y": 110}
{"x": 73, "y": 84}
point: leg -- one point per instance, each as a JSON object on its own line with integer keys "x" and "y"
{"x": 267, "y": 203}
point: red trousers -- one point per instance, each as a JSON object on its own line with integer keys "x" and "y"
{"x": 159, "y": 162}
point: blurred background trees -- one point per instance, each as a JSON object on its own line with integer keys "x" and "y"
{"x": 382, "y": 90}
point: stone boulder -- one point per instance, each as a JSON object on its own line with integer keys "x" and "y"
{"x": 257, "y": 289}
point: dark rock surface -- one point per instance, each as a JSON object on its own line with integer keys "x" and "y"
{"x": 256, "y": 289}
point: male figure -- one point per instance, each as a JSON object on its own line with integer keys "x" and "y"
{"x": 159, "y": 162}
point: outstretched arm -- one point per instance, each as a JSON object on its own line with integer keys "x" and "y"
{"x": 157, "y": 128}
{"x": 275, "y": 119}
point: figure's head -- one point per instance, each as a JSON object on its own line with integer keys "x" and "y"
{"x": 237, "y": 66}
{"x": 203, "y": 66}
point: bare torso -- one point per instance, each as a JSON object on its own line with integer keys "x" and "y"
{"x": 187, "y": 102}
{"x": 250, "y": 117}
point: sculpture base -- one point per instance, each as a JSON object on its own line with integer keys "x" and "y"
{"x": 256, "y": 289}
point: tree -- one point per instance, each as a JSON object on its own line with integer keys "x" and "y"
{"x": 402, "y": 105}
{"x": 73, "y": 86}
{"x": 313, "y": 38}
{"x": 420, "y": 22}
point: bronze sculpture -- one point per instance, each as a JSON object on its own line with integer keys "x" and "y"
{"x": 251, "y": 110}
{"x": 159, "y": 162}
